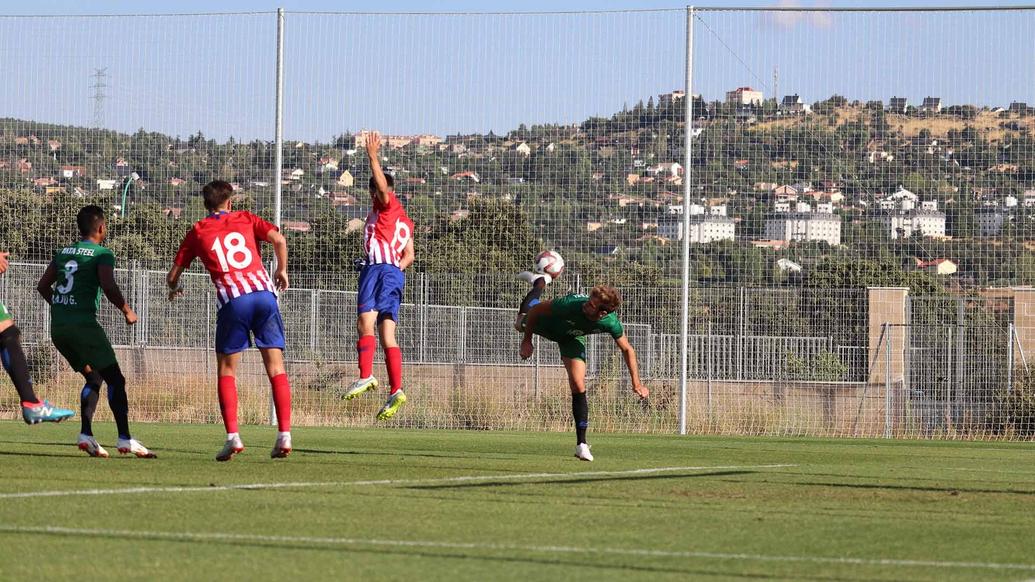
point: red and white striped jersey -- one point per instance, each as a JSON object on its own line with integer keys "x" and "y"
{"x": 388, "y": 231}
{"x": 226, "y": 243}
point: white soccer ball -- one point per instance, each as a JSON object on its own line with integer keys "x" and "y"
{"x": 549, "y": 262}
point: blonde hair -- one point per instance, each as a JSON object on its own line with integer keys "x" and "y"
{"x": 607, "y": 297}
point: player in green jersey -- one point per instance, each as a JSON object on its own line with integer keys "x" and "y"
{"x": 567, "y": 321}
{"x": 13, "y": 359}
{"x": 72, "y": 285}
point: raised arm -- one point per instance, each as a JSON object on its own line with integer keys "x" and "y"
{"x": 280, "y": 250}
{"x": 629, "y": 354}
{"x": 46, "y": 284}
{"x": 106, "y": 277}
{"x": 373, "y": 153}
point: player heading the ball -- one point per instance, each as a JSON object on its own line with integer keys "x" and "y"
{"x": 226, "y": 241}
{"x": 388, "y": 244}
{"x": 567, "y": 321}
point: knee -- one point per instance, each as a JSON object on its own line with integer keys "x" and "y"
{"x": 93, "y": 380}
{"x": 9, "y": 335}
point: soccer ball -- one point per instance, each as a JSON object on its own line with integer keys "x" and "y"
{"x": 550, "y": 263}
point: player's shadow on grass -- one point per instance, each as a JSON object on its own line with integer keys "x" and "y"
{"x": 919, "y": 488}
{"x": 48, "y": 455}
{"x": 382, "y": 453}
{"x": 561, "y": 480}
{"x": 409, "y": 552}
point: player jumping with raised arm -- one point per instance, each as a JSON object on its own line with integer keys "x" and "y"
{"x": 13, "y": 359}
{"x": 567, "y": 321}
{"x": 226, "y": 241}
{"x": 72, "y": 285}
{"x": 388, "y": 242}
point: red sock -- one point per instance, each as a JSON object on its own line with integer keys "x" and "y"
{"x": 282, "y": 401}
{"x": 365, "y": 347}
{"x": 394, "y": 363}
{"x": 228, "y": 402}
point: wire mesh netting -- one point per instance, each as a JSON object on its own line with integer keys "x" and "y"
{"x": 857, "y": 201}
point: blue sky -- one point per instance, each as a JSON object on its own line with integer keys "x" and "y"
{"x": 444, "y": 74}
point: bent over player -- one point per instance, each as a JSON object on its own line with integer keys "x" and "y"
{"x": 388, "y": 242}
{"x": 567, "y": 321}
{"x": 226, "y": 243}
{"x": 72, "y": 285}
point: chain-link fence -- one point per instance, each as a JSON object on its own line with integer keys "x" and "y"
{"x": 770, "y": 166}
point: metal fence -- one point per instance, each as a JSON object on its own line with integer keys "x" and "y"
{"x": 742, "y": 175}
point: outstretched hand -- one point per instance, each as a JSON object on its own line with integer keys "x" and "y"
{"x": 373, "y": 143}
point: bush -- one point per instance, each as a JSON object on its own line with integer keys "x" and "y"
{"x": 1016, "y": 408}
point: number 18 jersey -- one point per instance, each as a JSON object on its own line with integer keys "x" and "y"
{"x": 226, "y": 243}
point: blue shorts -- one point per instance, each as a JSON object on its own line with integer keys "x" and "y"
{"x": 380, "y": 290}
{"x": 255, "y": 313}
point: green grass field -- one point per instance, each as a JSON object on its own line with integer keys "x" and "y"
{"x": 438, "y": 505}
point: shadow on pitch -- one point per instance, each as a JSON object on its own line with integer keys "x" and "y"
{"x": 561, "y": 480}
{"x": 383, "y": 453}
{"x": 48, "y": 455}
{"x": 410, "y": 552}
{"x": 916, "y": 488}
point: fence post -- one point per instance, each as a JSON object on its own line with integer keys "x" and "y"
{"x": 960, "y": 331}
{"x": 948, "y": 380}
{"x": 741, "y": 328}
{"x": 688, "y": 101}
{"x": 535, "y": 340}
{"x": 1009, "y": 358}
{"x": 423, "y": 328}
{"x": 711, "y": 370}
{"x": 314, "y": 309}
{"x": 887, "y": 384}
{"x": 278, "y": 139}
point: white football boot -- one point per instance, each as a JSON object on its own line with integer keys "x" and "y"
{"x": 582, "y": 453}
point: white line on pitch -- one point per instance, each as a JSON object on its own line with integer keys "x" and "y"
{"x": 335, "y": 541}
{"x": 443, "y": 480}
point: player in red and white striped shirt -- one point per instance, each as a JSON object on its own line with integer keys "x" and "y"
{"x": 388, "y": 242}
{"x": 227, "y": 242}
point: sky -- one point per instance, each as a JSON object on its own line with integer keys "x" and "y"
{"x": 406, "y": 73}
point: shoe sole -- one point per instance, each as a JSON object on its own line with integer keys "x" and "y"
{"x": 95, "y": 454}
{"x": 233, "y": 453}
{"x": 354, "y": 393}
{"x": 280, "y": 453}
{"x": 42, "y": 420}
{"x": 147, "y": 455}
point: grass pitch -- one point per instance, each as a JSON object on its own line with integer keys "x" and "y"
{"x": 439, "y": 505}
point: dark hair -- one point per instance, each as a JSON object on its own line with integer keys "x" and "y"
{"x": 388, "y": 178}
{"x": 216, "y": 193}
{"x": 89, "y": 219}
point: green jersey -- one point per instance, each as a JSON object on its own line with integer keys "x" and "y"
{"x": 77, "y": 292}
{"x": 569, "y": 322}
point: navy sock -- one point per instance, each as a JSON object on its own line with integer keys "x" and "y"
{"x": 88, "y": 401}
{"x": 117, "y": 399}
{"x": 532, "y": 297}
{"x": 580, "y": 410}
